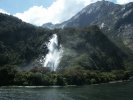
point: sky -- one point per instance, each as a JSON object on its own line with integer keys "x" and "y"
{"x": 38, "y": 12}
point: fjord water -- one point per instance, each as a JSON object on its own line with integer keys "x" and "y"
{"x": 113, "y": 91}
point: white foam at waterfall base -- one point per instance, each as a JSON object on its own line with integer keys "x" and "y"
{"x": 52, "y": 59}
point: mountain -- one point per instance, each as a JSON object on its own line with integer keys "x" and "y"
{"x": 48, "y": 25}
{"x": 20, "y": 42}
{"x": 91, "y": 49}
{"x": 89, "y": 56}
{"x": 101, "y": 13}
{"x": 113, "y": 19}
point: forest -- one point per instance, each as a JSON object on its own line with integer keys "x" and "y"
{"x": 90, "y": 56}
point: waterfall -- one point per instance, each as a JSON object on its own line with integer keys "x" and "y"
{"x": 52, "y": 59}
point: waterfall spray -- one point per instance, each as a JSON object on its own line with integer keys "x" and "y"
{"x": 52, "y": 59}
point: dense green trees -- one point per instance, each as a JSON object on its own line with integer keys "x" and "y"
{"x": 7, "y": 75}
{"x": 89, "y": 56}
{"x": 69, "y": 76}
{"x": 20, "y": 42}
{"x": 90, "y": 48}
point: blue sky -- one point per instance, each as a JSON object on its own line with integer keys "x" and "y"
{"x": 14, "y": 6}
{"x": 38, "y": 12}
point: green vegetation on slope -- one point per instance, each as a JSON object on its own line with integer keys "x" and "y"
{"x": 91, "y": 49}
{"x": 70, "y": 76}
{"x": 20, "y": 42}
{"x": 89, "y": 56}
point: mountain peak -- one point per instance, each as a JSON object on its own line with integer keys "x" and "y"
{"x": 102, "y": 3}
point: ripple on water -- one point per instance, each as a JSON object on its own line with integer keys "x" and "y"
{"x": 115, "y": 91}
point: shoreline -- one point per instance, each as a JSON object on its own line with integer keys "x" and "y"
{"x": 57, "y": 86}
{"x": 113, "y": 82}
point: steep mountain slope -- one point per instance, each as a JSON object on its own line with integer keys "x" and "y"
{"x": 100, "y": 13}
{"x": 90, "y": 48}
{"x": 20, "y": 43}
{"x": 115, "y": 20}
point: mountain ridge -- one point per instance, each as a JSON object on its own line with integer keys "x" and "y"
{"x": 113, "y": 19}
{"x": 22, "y": 44}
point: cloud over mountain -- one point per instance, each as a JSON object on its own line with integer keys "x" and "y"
{"x": 57, "y": 12}
{"x": 3, "y": 11}
{"x": 123, "y": 1}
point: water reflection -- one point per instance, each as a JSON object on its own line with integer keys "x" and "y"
{"x": 118, "y": 91}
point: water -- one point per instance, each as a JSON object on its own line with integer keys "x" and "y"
{"x": 115, "y": 91}
{"x": 54, "y": 55}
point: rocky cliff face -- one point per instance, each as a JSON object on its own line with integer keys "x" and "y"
{"x": 115, "y": 20}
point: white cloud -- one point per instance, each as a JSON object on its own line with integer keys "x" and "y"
{"x": 123, "y": 1}
{"x": 4, "y": 12}
{"x": 57, "y": 12}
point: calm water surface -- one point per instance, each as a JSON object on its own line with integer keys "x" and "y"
{"x": 115, "y": 91}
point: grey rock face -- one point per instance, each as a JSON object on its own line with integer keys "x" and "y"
{"x": 113, "y": 19}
